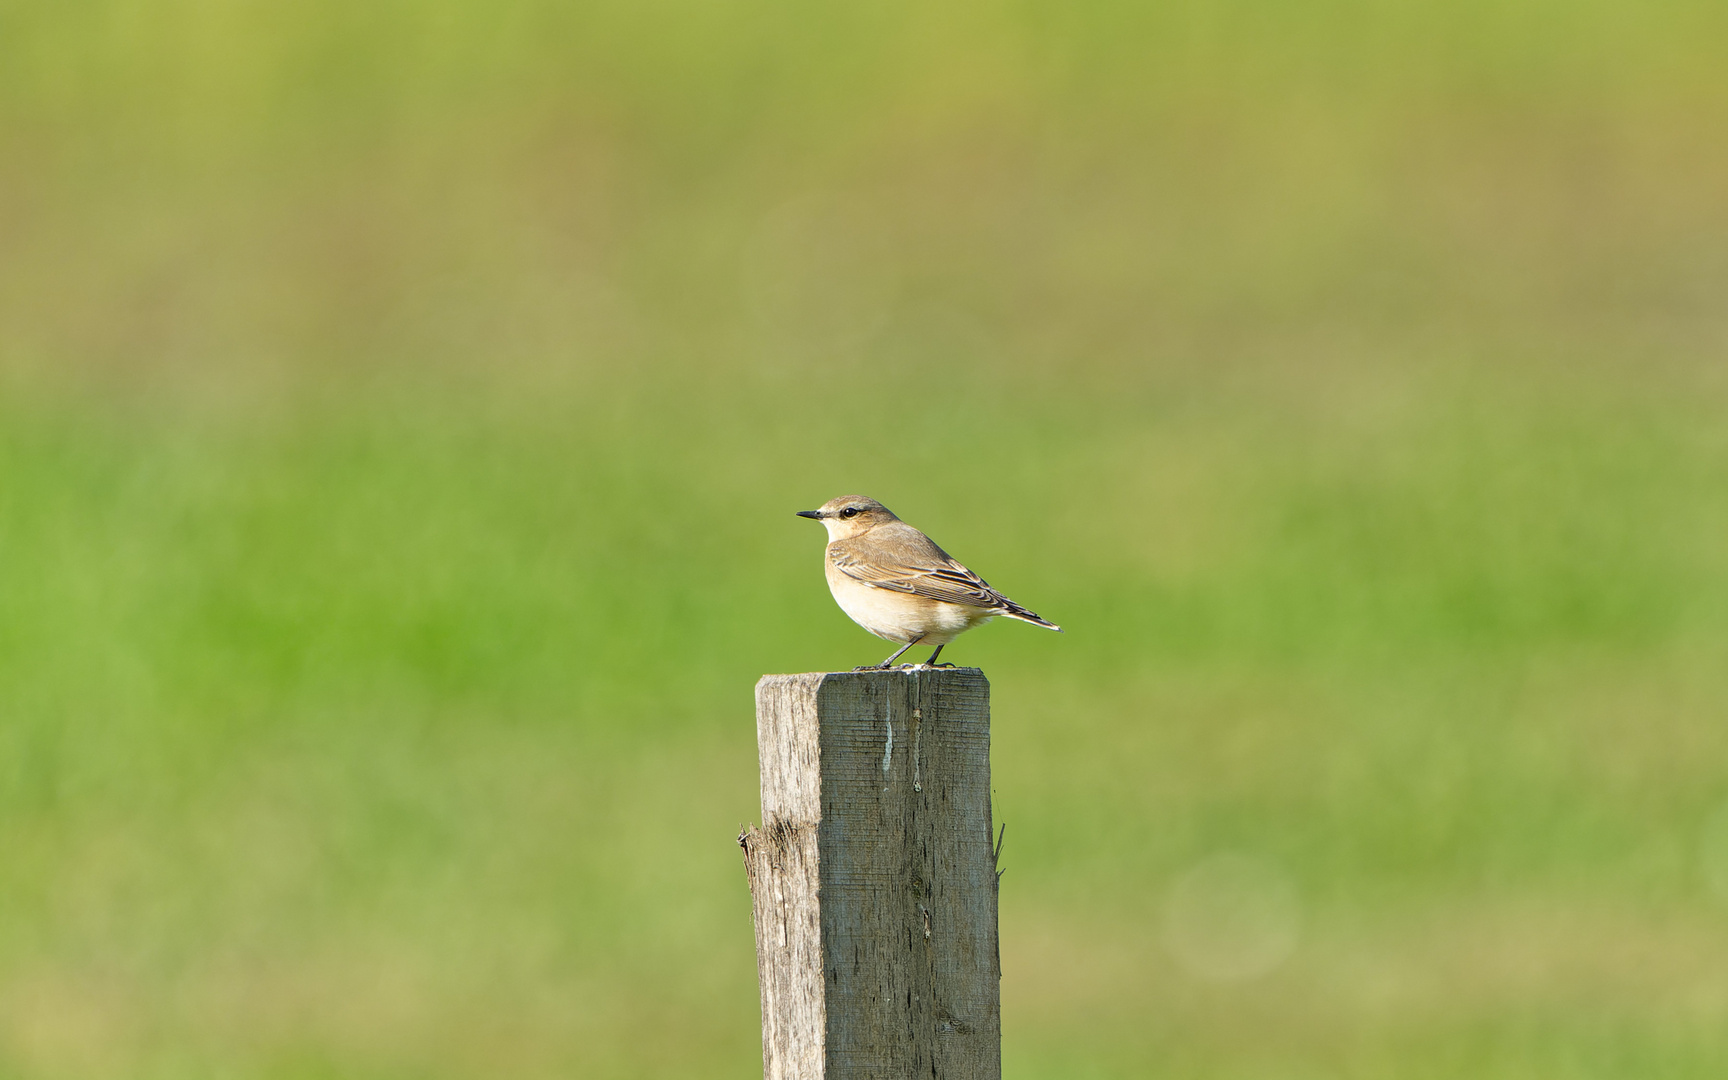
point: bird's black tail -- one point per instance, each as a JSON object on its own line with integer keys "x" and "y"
{"x": 1015, "y": 611}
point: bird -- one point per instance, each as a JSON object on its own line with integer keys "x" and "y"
{"x": 896, "y": 583}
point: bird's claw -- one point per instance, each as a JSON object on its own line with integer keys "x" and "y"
{"x": 901, "y": 667}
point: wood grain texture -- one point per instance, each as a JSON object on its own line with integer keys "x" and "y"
{"x": 873, "y": 878}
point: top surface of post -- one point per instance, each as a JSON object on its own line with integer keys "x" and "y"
{"x": 867, "y": 673}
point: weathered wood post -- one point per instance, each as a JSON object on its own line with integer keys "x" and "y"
{"x": 873, "y": 877}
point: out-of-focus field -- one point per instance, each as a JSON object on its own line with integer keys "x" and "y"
{"x": 403, "y": 407}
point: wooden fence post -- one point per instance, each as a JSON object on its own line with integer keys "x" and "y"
{"x": 873, "y": 877}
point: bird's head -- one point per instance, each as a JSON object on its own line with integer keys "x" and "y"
{"x": 850, "y": 515}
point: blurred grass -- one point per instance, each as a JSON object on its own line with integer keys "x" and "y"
{"x": 402, "y": 408}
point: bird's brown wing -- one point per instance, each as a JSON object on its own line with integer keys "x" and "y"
{"x": 907, "y": 561}
{"x": 950, "y": 584}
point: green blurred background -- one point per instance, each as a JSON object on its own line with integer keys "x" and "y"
{"x": 403, "y": 407}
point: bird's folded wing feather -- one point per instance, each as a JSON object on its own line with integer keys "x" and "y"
{"x": 939, "y": 578}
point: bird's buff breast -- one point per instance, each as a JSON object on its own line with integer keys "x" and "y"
{"x": 901, "y": 617}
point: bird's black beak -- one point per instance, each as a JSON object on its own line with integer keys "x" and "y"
{"x": 810, "y": 513}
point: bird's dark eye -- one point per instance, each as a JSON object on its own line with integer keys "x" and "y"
{"x": 850, "y": 511}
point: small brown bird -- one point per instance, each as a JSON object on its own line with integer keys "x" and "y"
{"x": 896, "y": 583}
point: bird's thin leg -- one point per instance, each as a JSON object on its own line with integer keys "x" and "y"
{"x": 932, "y": 661}
{"x": 888, "y": 663}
